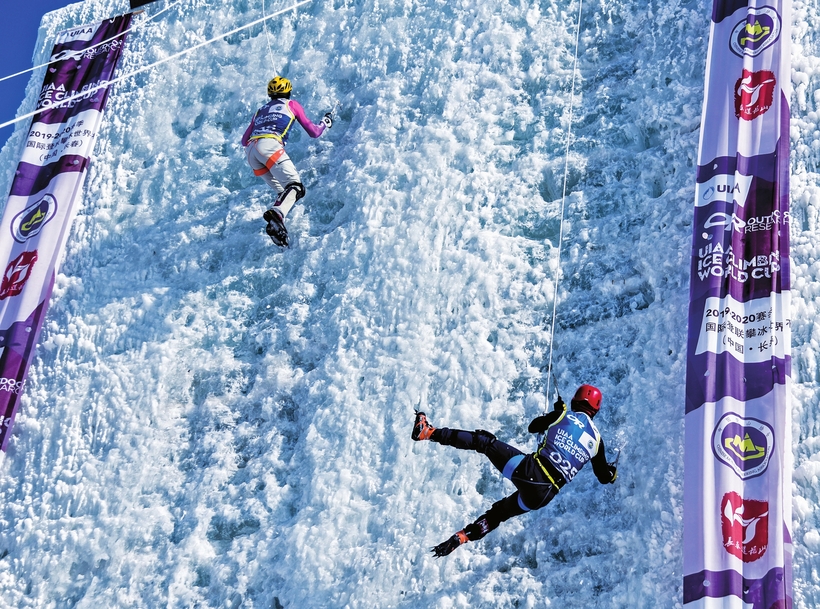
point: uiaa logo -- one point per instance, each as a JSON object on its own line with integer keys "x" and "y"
{"x": 29, "y": 222}
{"x": 754, "y": 94}
{"x": 17, "y": 273}
{"x": 745, "y": 526}
{"x": 743, "y": 444}
{"x": 732, "y": 187}
{"x": 756, "y": 33}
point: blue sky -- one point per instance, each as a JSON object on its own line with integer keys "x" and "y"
{"x": 18, "y": 35}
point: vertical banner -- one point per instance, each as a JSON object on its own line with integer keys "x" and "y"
{"x": 737, "y": 484}
{"x": 46, "y": 192}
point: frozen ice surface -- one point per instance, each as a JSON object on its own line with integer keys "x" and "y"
{"x": 212, "y": 422}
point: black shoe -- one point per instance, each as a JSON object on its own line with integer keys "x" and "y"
{"x": 276, "y": 228}
{"x": 447, "y": 547}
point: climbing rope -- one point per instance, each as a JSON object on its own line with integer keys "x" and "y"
{"x": 88, "y": 92}
{"x": 563, "y": 202}
{"x": 267, "y": 37}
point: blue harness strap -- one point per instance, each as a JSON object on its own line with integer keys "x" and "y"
{"x": 509, "y": 466}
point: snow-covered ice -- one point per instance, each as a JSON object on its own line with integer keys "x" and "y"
{"x": 212, "y": 422}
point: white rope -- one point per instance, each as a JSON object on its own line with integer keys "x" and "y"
{"x": 148, "y": 67}
{"x": 563, "y": 201}
{"x": 267, "y": 37}
{"x": 132, "y": 28}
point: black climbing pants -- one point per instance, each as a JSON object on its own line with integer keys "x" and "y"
{"x": 535, "y": 490}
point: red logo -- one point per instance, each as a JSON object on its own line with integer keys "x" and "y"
{"x": 745, "y": 526}
{"x": 17, "y": 273}
{"x": 754, "y": 94}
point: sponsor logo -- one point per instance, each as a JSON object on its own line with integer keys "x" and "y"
{"x": 89, "y": 53}
{"x": 11, "y": 386}
{"x": 68, "y": 54}
{"x": 725, "y": 220}
{"x": 743, "y": 444}
{"x": 29, "y": 222}
{"x": 575, "y": 420}
{"x": 756, "y": 33}
{"x": 84, "y": 31}
{"x": 723, "y": 187}
{"x": 751, "y": 225}
{"x": 80, "y": 34}
{"x": 754, "y": 94}
{"x": 17, "y": 273}
{"x": 745, "y": 526}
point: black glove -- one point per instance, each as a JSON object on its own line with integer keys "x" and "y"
{"x": 446, "y": 547}
{"x": 559, "y": 404}
{"x": 539, "y": 424}
{"x": 327, "y": 119}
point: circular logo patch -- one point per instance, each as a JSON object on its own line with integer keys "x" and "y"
{"x": 756, "y": 33}
{"x": 743, "y": 444}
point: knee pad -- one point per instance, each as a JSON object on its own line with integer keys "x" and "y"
{"x": 482, "y": 440}
{"x": 298, "y": 187}
{"x": 288, "y": 197}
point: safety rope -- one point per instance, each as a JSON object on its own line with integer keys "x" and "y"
{"x": 88, "y": 92}
{"x": 132, "y": 28}
{"x": 267, "y": 37}
{"x": 563, "y": 202}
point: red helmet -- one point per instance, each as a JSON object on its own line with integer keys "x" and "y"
{"x": 587, "y": 399}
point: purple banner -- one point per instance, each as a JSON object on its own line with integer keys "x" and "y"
{"x": 737, "y": 476}
{"x": 45, "y": 193}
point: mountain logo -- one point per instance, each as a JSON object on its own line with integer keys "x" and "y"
{"x": 17, "y": 273}
{"x": 756, "y": 33}
{"x": 744, "y": 524}
{"x": 754, "y": 94}
{"x": 743, "y": 444}
{"x": 29, "y": 222}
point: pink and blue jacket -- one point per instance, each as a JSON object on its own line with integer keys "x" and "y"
{"x": 274, "y": 120}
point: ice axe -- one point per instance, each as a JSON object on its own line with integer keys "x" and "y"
{"x": 328, "y": 118}
{"x": 618, "y": 453}
{"x": 335, "y": 108}
{"x": 555, "y": 382}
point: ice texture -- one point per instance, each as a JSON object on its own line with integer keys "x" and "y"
{"x": 213, "y": 422}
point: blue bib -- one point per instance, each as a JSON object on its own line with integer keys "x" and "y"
{"x": 570, "y": 442}
{"x": 273, "y": 120}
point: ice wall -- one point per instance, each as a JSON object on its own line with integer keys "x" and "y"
{"x": 215, "y": 423}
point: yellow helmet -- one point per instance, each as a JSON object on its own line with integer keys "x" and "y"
{"x": 279, "y": 87}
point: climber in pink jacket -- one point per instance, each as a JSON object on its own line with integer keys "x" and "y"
{"x": 264, "y": 142}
